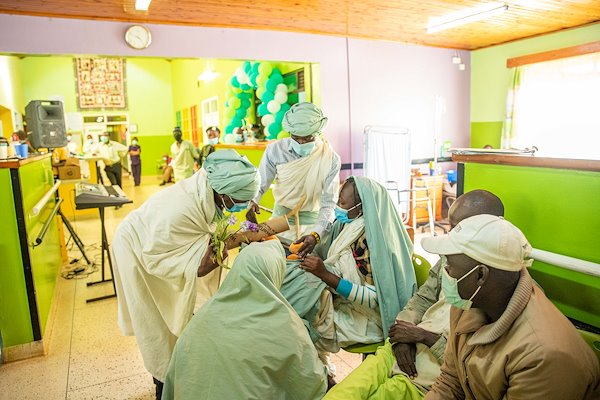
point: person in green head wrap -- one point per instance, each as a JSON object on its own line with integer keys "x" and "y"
{"x": 247, "y": 342}
{"x": 162, "y": 247}
{"x": 305, "y": 169}
{"x": 361, "y": 275}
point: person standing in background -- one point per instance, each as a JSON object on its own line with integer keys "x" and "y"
{"x": 136, "y": 162}
{"x": 88, "y": 145}
{"x": 213, "y": 133}
{"x": 111, "y": 153}
{"x": 184, "y": 153}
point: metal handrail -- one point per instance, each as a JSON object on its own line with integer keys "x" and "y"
{"x": 40, "y": 238}
{"x": 571, "y": 263}
{"x": 42, "y": 203}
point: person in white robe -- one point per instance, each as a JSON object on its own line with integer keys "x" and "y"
{"x": 303, "y": 167}
{"x": 183, "y": 155}
{"x": 161, "y": 248}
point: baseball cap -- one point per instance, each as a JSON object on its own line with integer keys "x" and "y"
{"x": 489, "y": 239}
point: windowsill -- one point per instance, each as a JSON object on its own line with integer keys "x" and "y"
{"x": 530, "y": 161}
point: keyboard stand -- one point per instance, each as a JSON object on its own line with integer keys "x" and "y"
{"x": 105, "y": 249}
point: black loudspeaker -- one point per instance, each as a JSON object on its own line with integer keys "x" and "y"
{"x": 46, "y": 124}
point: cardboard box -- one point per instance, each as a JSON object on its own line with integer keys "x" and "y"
{"x": 69, "y": 172}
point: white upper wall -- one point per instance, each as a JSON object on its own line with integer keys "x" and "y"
{"x": 389, "y": 83}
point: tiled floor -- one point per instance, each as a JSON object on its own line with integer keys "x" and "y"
{"x": 88, "y": 357}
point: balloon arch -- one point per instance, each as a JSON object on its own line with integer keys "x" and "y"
{"x": 267, "y": 83}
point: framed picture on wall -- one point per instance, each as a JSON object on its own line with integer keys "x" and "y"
{"x": 100, "y": 83}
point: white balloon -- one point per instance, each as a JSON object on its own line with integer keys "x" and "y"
{"x": 243, "y": 79}
{"x": 273, "y": 106}
{"x": 267, "y": 119}
{"x": 229, "y": 138}
{"x": 281, "y": 97}
{"x": 282, "y": 87}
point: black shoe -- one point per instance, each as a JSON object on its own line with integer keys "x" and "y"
{"x": 163, "y": 183}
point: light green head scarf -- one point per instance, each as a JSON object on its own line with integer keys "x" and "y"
{"x": 304, "y": 119}
{"x": 248, "y": 328}
{"x": 390, "y": 249}
{"x": 232, "y": 174}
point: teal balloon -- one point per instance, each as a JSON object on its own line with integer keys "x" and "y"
{"x": 247, "y": 66}
{"x": 253, "y": 79}
{"x": 267, "y": 96}
{"x": 236, "y": 122}
{"x": 245, "y": 104}
{"x": 255, "y": 68}
{"x": 279, "y": 116}
{"x": 241, "y": 113}
{"x": 234, "y": 82}
{"x": 271, "y": 85}
{"x": 243, "y": 95}
{"x": 284, "y": 108}
{"x": 245, "y": 86}
{"x": 229, "y": 129}
{"x": 276, "y": 76}
{"x": 274, "y": 129}
{"x": 262, "y": 109}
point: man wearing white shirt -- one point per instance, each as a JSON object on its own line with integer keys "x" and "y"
{"x": 111, "y": 153}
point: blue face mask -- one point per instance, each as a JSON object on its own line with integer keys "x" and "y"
{"x": 213, "y": 141}
{"x": 134, "y": 142}
{"x": 104, "y": 139}
{"x": 237, "y": 207}
{"x": 303, "y": 149}
{"x": 450, "y": 289}
{"x": 341, "y": 214}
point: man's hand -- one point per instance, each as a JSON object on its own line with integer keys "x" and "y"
{"x": 314, "y": 265}
{"x": 308, "y": 244}
{"x": 209, "y": 261}
{"x": 253, "y": 209}
{"x": 406, "y": 356}
{"x": 407, "y": 332}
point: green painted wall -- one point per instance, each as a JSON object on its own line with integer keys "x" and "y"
{"x": 36, "y": 179}
{"x": 187, "y": 91}
{"x": 558, "y": 211}
{"x": 153, "y": 149}
{"x": 15, "y": 325}
{"x": 490, "y": 79}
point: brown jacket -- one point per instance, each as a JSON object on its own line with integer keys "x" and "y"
{"x": 531, "y": 352}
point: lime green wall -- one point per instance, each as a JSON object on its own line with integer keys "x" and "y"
{"x": 15, "y": 324}
{"x": 490, "y": 79}
{"x": 153, "y": 149}
{"x": 187, "y": 91}
{"x": 150, "y": 101}
{"x": 558, "y": 211}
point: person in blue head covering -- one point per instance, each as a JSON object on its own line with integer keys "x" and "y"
{"x": 305, "y": 169}
{"x": 366, "y": 265}
{"x": 162, "y": 247}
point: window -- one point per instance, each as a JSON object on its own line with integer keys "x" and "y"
{"x": 556, "y": 107}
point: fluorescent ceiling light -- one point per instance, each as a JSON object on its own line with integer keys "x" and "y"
{"x": 142, "y": 5}
{"x": 207, "y": 75}
{"x": 465, "y": 16}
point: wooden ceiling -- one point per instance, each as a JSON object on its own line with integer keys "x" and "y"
{"x": 393, "y": 20}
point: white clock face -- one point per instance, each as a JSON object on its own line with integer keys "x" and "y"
{"x": 138, "y": 37}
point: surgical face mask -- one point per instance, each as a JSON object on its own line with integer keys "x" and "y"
{"x": 341, "y": 214}
{"x": 303, "y": 149}
{"x": 134, "y": 142}
{"x": 69, "y": 138}
{"x": 104, "y": 139}
{"x": 237, "y": 207}
{"x": 91, "y": 141}
{"x": 450, "y": 289}
{"x": 213, "y": 141}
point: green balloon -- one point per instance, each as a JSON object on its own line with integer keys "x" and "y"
{"x": 283, "y": 134}
{"x": 260, "y": 91}
{"x": 261, "y": 79}
{"x": 265, "y": 68}
{"x": 229, "y": 112}
{"x": 235, "y": 102}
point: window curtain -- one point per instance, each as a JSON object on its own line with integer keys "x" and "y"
{"x": 555, "y": 106}
{"x": 508, "y": 131}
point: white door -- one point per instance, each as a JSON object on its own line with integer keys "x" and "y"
{"x": 210, "y": 115}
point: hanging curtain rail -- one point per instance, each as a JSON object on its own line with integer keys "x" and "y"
{"x": 40, "y": 237}
{"x": 42, "y": 203}
{"x": 574, "y": 264}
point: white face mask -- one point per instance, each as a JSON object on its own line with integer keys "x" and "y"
{"x": 213, "y": 141}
